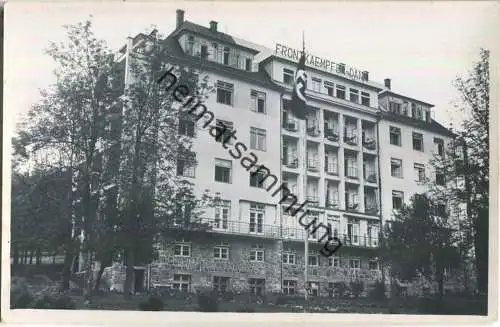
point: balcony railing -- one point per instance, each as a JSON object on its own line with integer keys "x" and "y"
{"x": 231, "y": 227}
{"x": 332, "y": 168}
{"x": 369, "y": 143}
{"x": 290, "y": 126}
{"x": 351, "y": 172}
{"x": 299, "y": 234}
{"x": 312, "y": 165}
{"x": 352, "y": 206}
{"x": 331, "y": 202}
{"x": 371, "y": 208}
{"x": 291, "y": 162}
{"x": 313, "y": 131}
{"x": 313, "y": 199}
{"x": 331, "y": 134}
{"x": 351, "y": 138}
{"x": 370, "y": 177}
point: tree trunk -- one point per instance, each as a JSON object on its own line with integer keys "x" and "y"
{"x": 54, "y": 258}
{"x": 481, "y": 249}
{"x": 38, "y": 256}
{"x": 66, "y": 273}
{"x": 88, "y": 278}
{"x": 129, "y": 276}
{"x": 31, "y": 257}
{"x": 15, "y": 256}
{"x": 99, "y": 276}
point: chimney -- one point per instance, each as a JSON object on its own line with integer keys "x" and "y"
{"x": 387, "y": 83}
{"x": 180, "y": 18}
{"x": 213, "y": 26}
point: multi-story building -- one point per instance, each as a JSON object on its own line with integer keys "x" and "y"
{"x": 339, "y": 164}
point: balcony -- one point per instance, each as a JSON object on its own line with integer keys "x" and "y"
{"x": 241, "y": 228}
{"x": 369, "y": 143}
{"x": 331, "y": 203}
{"x": 290, "y": 162}
{"x": 358, "y": 241}
{"x": 290, "y": 126}
{"x": 299, "y": 234}
{"x": 351, "y": 172}
{"x": 312, "y": 199}
{"x": 351, "y": 138}
{"x": 332, "y": 168}
{"x": 312, "y": 165}
{"x": 371, "y": 208}
{"x": 352, "y": 206}
{"x": 331, "y": 134}
{"x": 371, "y": 177}
{"x": 313, "y": 131}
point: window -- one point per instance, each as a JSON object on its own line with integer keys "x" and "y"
{"x": 182, "y": 249}
{"x": 223, "y": 170}
{"x": 316, "y": 84}
{"x": 365, "y": 99}
{"x": 221, "y": 284}
{"x": 333, "y": 223}
{"x": 258, "y": 101}
{"x": 221, "y": 251}
{"x": 257, "y": 212}
{"x": 257, "y": 253}
{"x": 289, "y": 287}
{"x": 397, "y": 200}
{"x": 222, "y": 213}
{"x": 203, "y": 51}
{"x": 257, "y": 286}
{"x": 225, "y": 93}
{"x": 418, "y": 142}
{"x": 396, "y": 168}
{"x": 373, "y": 264}
{"x": 226, "y": 56}
{"x": 419, "y": 172}
{"x": 181, "y": 282}
{"x": 440, "y": 178}
{"x": 288, "y": 76}
{"x": 439, "y": 146}
{"x": 395, "y": 107}
{"x": 312, "y": 258}
{"x": 289, "y": 257}
{"x": 186, "y": 127}
{"x": 419, "y": 113}
{"x": 329, "y": 88}
{"x": 413, "y": 110}
{"x": 186, "y": 164}
{"x": 248, "y": 64}
{"x": 313, "y": 288}
{"x": 257, "y": 179}
{"x": 353, "y": 231}
{"x": 225, "y": 129}
{"x": 340, "y": 91}
{"x": 354, "y": 95}
{"x": 395, "y": 135}
{"x": 334, "y": 261}
{"x": 354, "y": 264}
{"x": 257, "y": 139}
{"x": 441, "y": 210}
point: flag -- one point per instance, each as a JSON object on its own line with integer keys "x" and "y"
{"x": 298, "y": 105}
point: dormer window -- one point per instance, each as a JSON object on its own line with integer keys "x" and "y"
{"x": 395, "y": 107}
{"x": 190, "y": 45}
{"x": 248, "y": 64}
{"x": 226, "y": 56}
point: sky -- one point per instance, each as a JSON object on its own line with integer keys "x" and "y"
{"x": 421, "y": 46}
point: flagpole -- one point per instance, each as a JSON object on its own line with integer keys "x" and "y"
{"x": 303, "y": 133}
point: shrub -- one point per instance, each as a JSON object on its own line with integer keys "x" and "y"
{"x": 357, "y": 287}
{"x": 154, "y": 303}
{"x": 378, "y": 291}
{"x": 58, "y": 301}
{"x": 20, "y": 299}
{"x": 340, "y": 289}
{"x": 208, "y": 302}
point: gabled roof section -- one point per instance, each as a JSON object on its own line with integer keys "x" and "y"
{"x": 404, "y": 97}
{"x": 432, "y": 126}
{"x": 173, "y": 51}
{"x": 213, "y": 35}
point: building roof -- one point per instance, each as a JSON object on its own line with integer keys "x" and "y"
{"x": 390, "y": 92}
{"x": 433, "y": 126}
{"x": 214, "y": 35}
{"x": 173, "y": 50}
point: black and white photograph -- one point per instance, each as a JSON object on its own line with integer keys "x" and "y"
{"x": 250, "y": 158}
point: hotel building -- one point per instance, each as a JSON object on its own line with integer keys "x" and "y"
{"x": 364, "y": 151}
